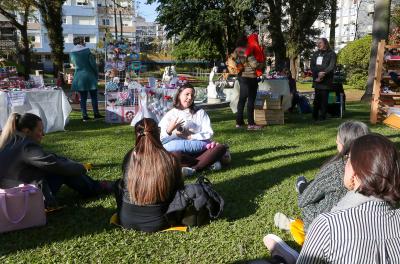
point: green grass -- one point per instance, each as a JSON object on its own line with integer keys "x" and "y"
{"x": 259, "y": 183}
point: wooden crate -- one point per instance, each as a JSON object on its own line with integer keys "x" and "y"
{"x": 269, "y": 117}
{"x": 266, "y": 101}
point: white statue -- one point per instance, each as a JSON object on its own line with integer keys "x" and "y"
{"x": 169, "y": 74}
{"x": 212, "y": 94}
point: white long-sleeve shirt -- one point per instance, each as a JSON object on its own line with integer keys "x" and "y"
{"x": 198, "y": 123}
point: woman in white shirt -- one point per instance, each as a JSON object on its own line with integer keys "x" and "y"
{"x": 187, "y": 132}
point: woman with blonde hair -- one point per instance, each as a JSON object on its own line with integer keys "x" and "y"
{"x": 23, "y": 160}
{"x": 151, "y": 177}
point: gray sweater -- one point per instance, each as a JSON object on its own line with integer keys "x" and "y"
{"x": 323, "y": 193}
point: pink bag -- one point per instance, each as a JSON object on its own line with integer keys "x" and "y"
{"x": 21, "y": 207}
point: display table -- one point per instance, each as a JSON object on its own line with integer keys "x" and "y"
{"x": 278, "y": 87}
{"x": 51, "y": 105}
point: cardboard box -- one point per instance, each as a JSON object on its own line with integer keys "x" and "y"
{"x": 268, "y": 101}
{"x": 269, "y": 117}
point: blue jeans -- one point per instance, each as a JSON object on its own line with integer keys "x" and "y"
{"x": 93, "y": 96}
{"x": 186, "y": 146}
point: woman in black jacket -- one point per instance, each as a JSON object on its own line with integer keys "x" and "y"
{"x": 23, "y": 160}
{"x": 151, "y": 178}
{"x": 323, "y": 64}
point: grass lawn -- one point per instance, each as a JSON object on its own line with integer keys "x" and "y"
{"x": 259, "y": 183}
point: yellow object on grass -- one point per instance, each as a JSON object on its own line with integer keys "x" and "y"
{"x": 114, "y": 220}
{"x": 297, "y": 231}
{"x": 88, "y": 166}
{"x": 393, "y": 121}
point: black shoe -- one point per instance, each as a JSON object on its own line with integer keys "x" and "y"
{"x": 86, "y": 118}
{"x": 98, "y": 116}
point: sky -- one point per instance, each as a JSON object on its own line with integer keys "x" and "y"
{"x": 147, "y": 11}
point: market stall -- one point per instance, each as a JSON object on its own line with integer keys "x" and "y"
{"x": 33, "y": 96}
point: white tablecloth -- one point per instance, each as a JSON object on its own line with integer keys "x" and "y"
{"x": 51, "y": 105}
{"x": 278, "y": 87}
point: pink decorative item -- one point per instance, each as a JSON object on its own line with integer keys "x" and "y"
{"x": 21, "y": 207}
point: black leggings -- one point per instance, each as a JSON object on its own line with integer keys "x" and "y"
{"x": 320, "y": 104}
{"x": 248, "y": 91}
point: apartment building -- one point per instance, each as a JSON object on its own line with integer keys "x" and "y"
{"x": 116, "y": 19}
{"x": 354, "y": 19}
{"x": 8, "y": 37}
{"x": 91, "y": 19}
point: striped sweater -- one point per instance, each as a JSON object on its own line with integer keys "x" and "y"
{"x": 368, "y": 233}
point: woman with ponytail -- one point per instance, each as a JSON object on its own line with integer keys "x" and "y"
{"x": 151, "y": 177}
{"x": 23, "y": 160}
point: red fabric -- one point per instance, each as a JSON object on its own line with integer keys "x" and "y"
{"x": 254, "y": 48}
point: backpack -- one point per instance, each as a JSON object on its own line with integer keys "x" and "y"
{"x": 195, "y": 205}
{"x": 304, "y": 105}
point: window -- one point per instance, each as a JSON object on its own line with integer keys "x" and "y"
{"x": 64, "y": 20}
{"x": 85, "y": 21}
{"x": 106, "y": 22}
{"x": 82, "y": 2}
{"x": 87, "y": 39}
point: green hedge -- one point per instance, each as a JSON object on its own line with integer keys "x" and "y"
{"x": 355, "y": 57}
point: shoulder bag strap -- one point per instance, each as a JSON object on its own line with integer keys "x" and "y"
{"x": 3, "y": 198}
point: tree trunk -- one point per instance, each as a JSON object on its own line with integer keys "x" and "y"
{"x": 293, "y": 65}
{"x": 332, "y": 27}
{"x": 275, "y": 30}
{"x": 51, "y": 12}
{"x": 380, "y": 30}
{"x": 26, "y": 52}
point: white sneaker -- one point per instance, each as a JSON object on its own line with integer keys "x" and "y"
{"x": 278, "y": 247}
{"x": 187, "y": 171}
{"x": 282, "y": 221}
{"x": 216, "y": 166}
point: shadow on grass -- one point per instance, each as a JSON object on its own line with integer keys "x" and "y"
{"x": 69, "y": 223}
{"x": 245, "y": 158}
{"x": 240, "y": 193}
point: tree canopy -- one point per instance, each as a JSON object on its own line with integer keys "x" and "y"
{"x": 218, "y": 22}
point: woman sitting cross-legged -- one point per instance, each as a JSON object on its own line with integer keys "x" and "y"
{"x": 23, "y": 160}
{"x": 151, "y": 189}
{"x": 325, "y": 191}
{"x": 187, "y": 132}
{"x": 364, "y": 226}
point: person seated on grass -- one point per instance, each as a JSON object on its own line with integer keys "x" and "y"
{"x": 151, "y": 177}
{"x": 187, "y": 130}
{"x": 151, "y": 195}
{"x": 325, "y": 191}
{"x": 364, "y": 226}
{"x": 23, "y": 160}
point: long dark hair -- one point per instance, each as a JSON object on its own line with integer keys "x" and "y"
{"x": 16, "y": 123}
{"x": 153, "y": 173}
{"x": 376, "y": 164}
{"x": 177, "y": 102}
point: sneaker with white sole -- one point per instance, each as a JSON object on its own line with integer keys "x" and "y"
{"x": 282, "y": 221}
{"x": 216, "y": 166}
{"x": 187, "y": 171}
{"x": 301, "y": 180}
{"x": 278, "y": 247}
